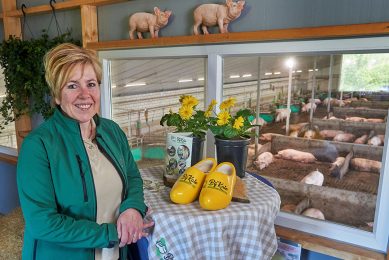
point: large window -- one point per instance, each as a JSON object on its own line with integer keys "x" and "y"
{"x": 365, "y": 72}
{"x": 143, "y": 91}
{"x": 332, "y": 117}
{"x": 350, "y": 123}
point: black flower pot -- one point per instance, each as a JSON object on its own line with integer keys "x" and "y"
{"x": 197, "y": 150}
{"x": 233, "y": 151}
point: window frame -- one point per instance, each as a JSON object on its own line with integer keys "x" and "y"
{"x": 376, "y": 240}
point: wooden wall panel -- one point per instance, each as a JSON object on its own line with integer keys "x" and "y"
{"x": 89, "y": 24}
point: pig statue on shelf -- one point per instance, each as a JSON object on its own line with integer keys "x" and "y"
{"x": 146, "y": 22}
{"x": 216, "y": 14}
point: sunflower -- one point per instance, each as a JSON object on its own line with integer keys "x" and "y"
{"x": 238, "y": 123}
{"x": 188, "y": 100}
{"x": 208, "y": 112}
{"x": 223, "y": 117}
{"x": 185, "y": 112}
{"x": 226, "y": 104}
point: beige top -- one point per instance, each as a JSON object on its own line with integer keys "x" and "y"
{"x": 108, "y": 186}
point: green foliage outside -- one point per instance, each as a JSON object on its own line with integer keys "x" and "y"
{"x": 364, "y": 72}
{"x": 26, "y": 89}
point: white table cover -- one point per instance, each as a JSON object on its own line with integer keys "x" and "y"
{"x": 241, "y": 231}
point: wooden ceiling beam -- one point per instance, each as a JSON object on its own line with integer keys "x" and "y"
{"x": 322, "y": 32}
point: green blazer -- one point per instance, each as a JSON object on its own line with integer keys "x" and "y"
{"x": 57, "y": 192}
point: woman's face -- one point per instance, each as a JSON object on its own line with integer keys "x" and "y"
{"x": 80, "y": 96}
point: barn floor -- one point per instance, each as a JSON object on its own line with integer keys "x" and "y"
{"x": 355, "y": 181}
{"x": 295, "y": 171}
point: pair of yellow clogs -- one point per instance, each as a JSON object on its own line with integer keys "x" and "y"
{"x": 215, "y": 184}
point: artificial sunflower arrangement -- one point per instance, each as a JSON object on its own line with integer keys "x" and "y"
{"x": 228, "y": 126}
{"x": 188, "y": 118}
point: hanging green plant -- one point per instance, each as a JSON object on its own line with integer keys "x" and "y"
{"x": 26, "y": 89}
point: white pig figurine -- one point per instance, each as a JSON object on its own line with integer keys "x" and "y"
{"x": 146, "y": 22}
{"x": 216, "y": 14}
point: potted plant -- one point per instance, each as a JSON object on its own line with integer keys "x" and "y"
{"x": 232, "y": 134}
{"x": 190, "y": 119}
{"x": 26, "y": 88}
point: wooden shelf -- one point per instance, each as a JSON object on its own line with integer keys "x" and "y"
{"x": 328, "y": 246}
{"x": 8, "y": 158}
{"x": 72, "y": 4}
{"x": 326, "y": 32}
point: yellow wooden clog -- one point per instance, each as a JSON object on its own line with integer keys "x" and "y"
{"x": 218, "y": 187}
{"x": 187, "y": 187}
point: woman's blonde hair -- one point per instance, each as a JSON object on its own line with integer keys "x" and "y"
{"x": 59, "y": 62}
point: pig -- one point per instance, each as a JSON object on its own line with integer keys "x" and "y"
{"x": 295, "y": 127}
{"x": 146, "y": 22}
{"x": 263, "y": 160}
{"x": 294, "y": 133}
{"x": 330, "y": 134}
{"x": 363, "y": 99}
{"x": 327, "y": 153}
{"x": 345, "y": 137}
{"x": 341, "y": 166}
{"x": 355, "y": 119}
{"x": 266, "y": 136}
{"x": 331, "y": 118}
{"x": 216, "y": 14}
{"x": 308, "y": 107}
{"x": 294, "y": 155}
{"x": 366, "y": 165}
{"x": 339, "y": 103}
{"x": 361, "y": 140}
{"x": 375, "y": 141}
{"x": 314, "y": 178}
{"x": 282, "y": 113}
{"x": 260, "y": 121}
{"x": 334, "y": 102}
{"x": 317, "y": 101}
{"x": 374, "y": 120}
{"x": 313, "y": 213}
{"x": 351, "y": 99}
{"x": 326, "y": 100}
{"x": 382, "y": 137}
{"x": 339, "y": 161}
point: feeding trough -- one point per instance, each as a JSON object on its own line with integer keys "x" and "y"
{"x": 371, "y": 104}
{"x": 343, "y": 112}
{"x": 356, "y": 128}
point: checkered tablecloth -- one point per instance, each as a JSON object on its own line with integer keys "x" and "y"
{"x": 241, "y": 231}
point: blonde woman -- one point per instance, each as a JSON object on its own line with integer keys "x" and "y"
{"x": 80, "y": 190}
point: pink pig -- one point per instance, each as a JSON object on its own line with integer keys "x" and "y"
{"x": 146, "y": 22}
{"x": 215, "y": 14}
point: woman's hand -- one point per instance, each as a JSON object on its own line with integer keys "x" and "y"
{"x": 130, "y": 227}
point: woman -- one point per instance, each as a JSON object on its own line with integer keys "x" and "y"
{"x": 80, "y": 190}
